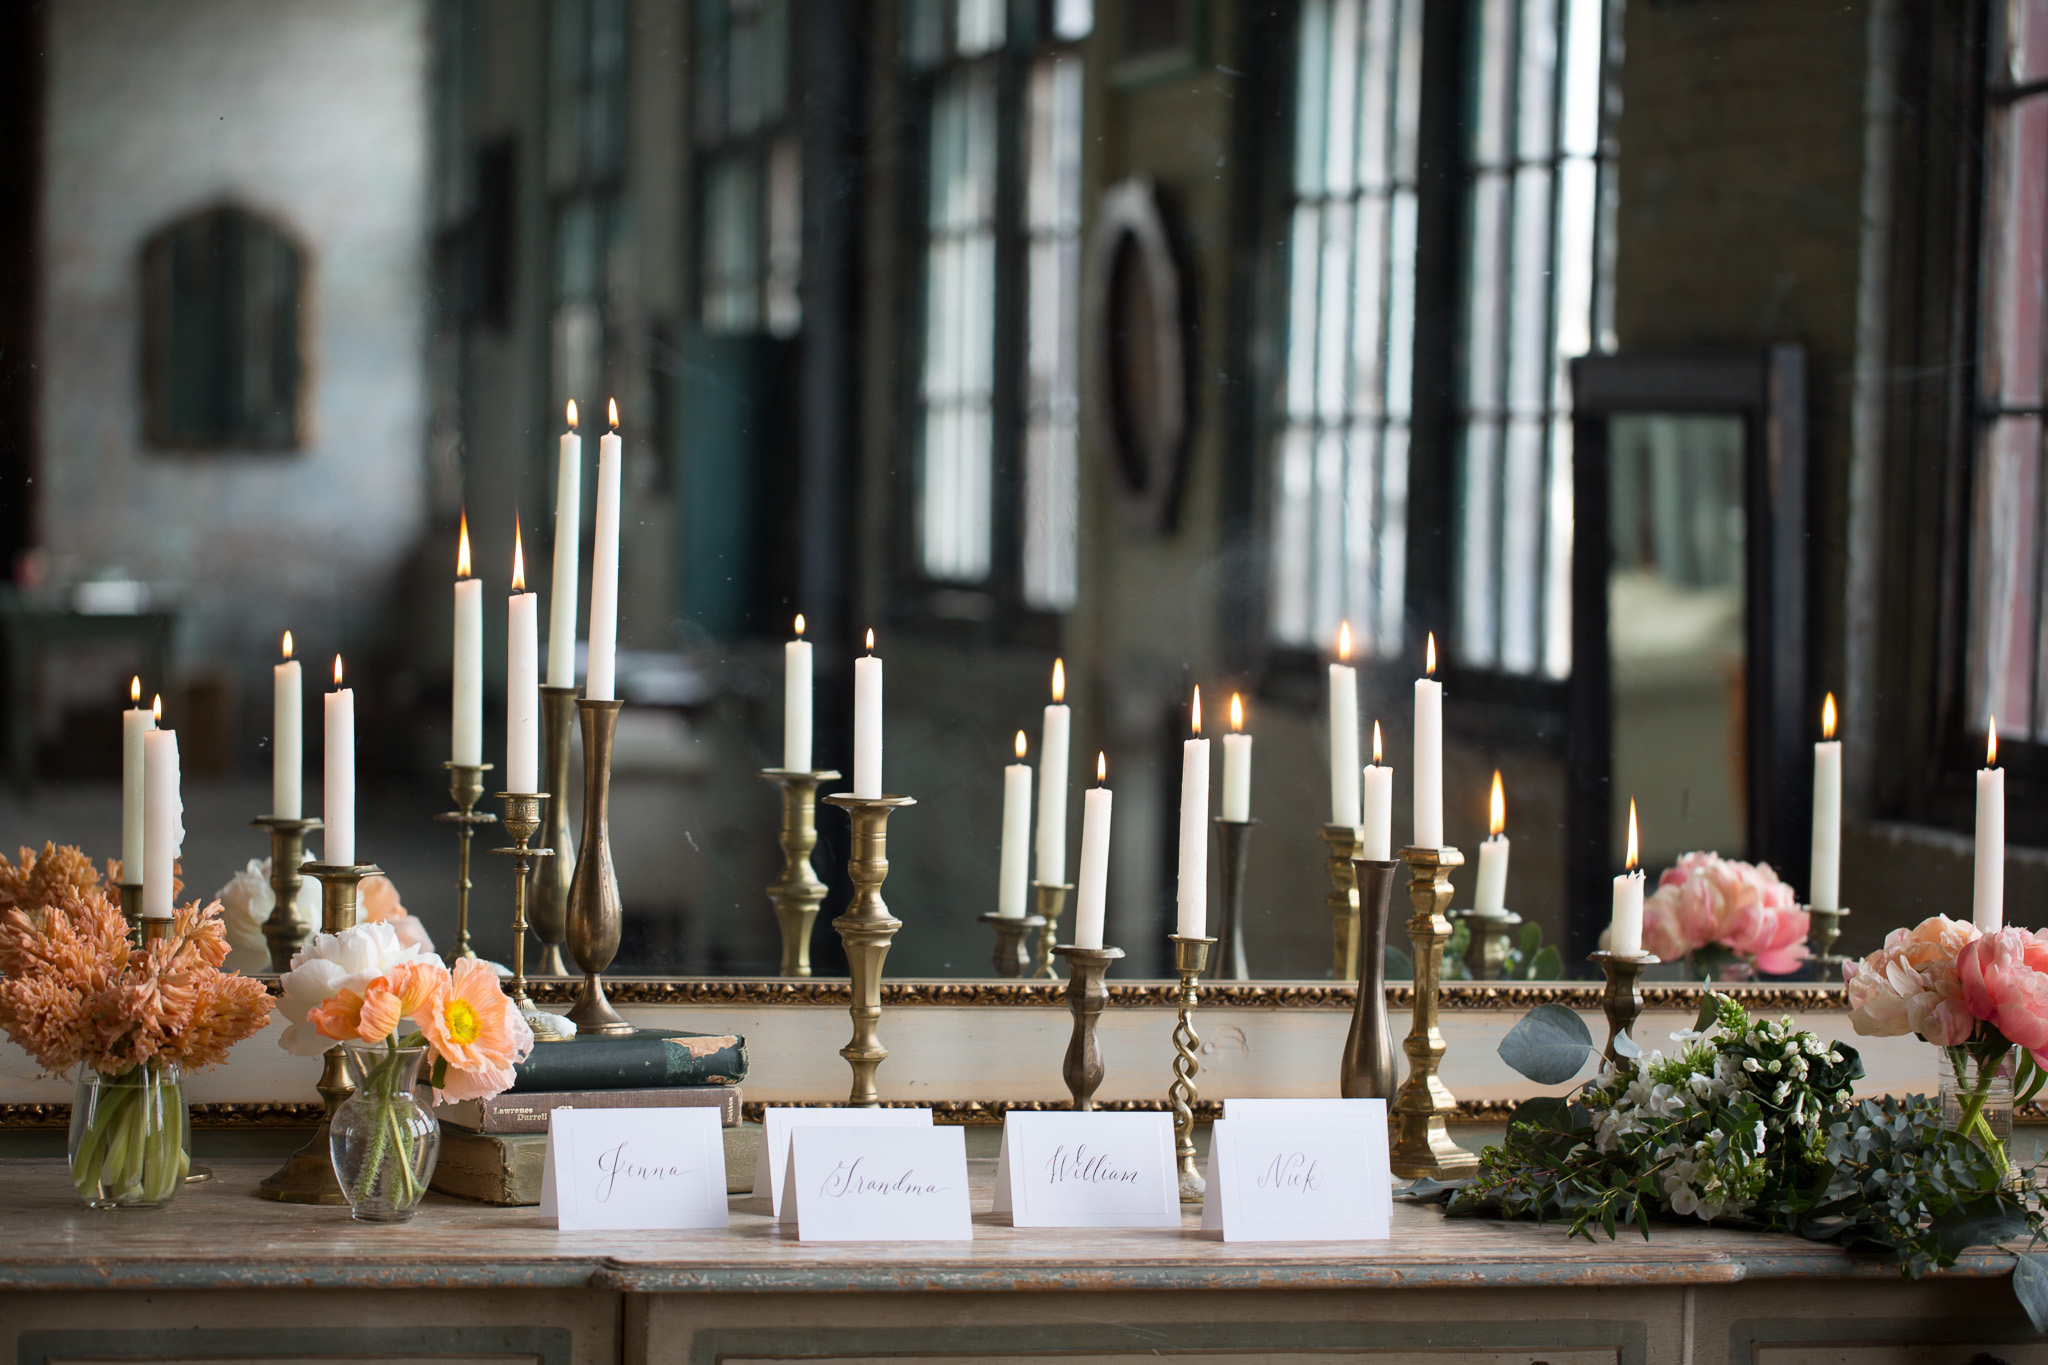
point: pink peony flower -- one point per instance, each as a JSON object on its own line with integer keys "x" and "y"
{"x": 1707, "y": 899}
{"x": 1910, "y": 985}
{"x": 2004, "y": 981}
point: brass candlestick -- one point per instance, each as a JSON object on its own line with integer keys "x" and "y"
{"x": 866, "y": 928}
{"x": 1827, "y": 927}
{"x": 1368, "y": 1070}
{"x": 1622, "y": 1000}
{"x": 1012, "y": 957}
{"x": 1086, "y": 995}
{"x": 524, "y": 812}
{"x": 595, "y": 913}
{"x": 1487, "y": 952}
{"x": 1052, "y": 903}
{"x": 1233, "y": 852}
{"x": 283, "y": 929}
{"x": 1422, "y": 1144}
{"x": 1190, "y": 956}
{"x": 1342, "y": 901}
{"x": 797, "y": 892}
{"x": 131, "y": 902}
{"x": 307, "y": 1176}
{"x": 549, "y": 904}
{"x": 466, "y": 786}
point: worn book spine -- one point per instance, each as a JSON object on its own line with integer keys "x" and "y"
{"x": 641, "y": 1062}
{"x": 506, "y": 1170}
{"x": 527, "y": 1111}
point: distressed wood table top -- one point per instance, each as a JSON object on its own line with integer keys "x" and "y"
{"x": 220, "y": 1236}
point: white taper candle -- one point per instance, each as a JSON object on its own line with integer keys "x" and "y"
{"x": 599, "y": 683}
{"x": 288, "y": 737}
{"x": 568, "y": 544}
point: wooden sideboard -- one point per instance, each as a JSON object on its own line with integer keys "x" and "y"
{"x": 222, "y": 1276}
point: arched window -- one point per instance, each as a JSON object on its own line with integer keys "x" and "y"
{"x": 222, "y": 356}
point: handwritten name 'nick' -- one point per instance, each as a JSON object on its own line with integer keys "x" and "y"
{"x": 849, "y": 1180}
{"x": 1291, "y": 1171}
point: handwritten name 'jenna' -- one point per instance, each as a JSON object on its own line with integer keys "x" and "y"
{"x": 1291, "y": 1171}
{"x": 848, "y": 1179}
{"x": 614, "y": 1165}
{"x": 1084, "y": 1167}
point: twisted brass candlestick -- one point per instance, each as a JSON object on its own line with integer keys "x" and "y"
{"x": 1368, "y": 1070}
{"x": 1342, "y": 901}
{"x": 1622, "y": 1000}
{"x": 307, "y": 1176}
{"x": 1486, "y": 953}
{"x": 1012, "y": 956}
{"x": 866, "y": 929}
{"x": 595, "y": 913}
{"x": 524, "y": 812}
{"x": 549, "y": 903}
{"x": 797, "y": 893}
{"x": 1233, "y": 853}
{"x": 284, "y": 931}
{"x": 1052, "y": 903}
{"x": 1827, "y": 927}
{"x": 1190, "y": 956}
{"x": 1422, "y": 1144}
{"x": 466, "y": 787}
{"x": 1086, "y": 995}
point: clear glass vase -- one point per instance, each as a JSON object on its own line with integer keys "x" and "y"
{"x": 383, "y": 1140}
{"x": 1976, "y": 1101}
{"x": 131, "y": 1136}
{"x": 1718, "y": 964}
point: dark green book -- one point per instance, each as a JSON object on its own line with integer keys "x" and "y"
{"x": 634, "y": 1061}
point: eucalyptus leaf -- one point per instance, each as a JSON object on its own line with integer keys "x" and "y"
{"x": 2030, "y": 1284}
{"x": 1985, "y": 1223}
{"x": 1549, "y": 1045}
{"x": 1710, "y": 1010}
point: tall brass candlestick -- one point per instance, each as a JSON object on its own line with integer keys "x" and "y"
{"x": 1012, "y": 956}
{"x": 1487, "y": 950}
{"x": 1086, "y": 995}
{"x": 1622, "y": 1000}
{"x": 797, "y": 893}
{"x": 1422, "y": 1143}
{"x": 866, "y": 929}
{"x": 549, "y": 904}
{"x": 466, "y": 788}
{"x": 1233, "y": 854}
{"x": 595, "y": 913}
{"x": 1827, "y": 927}
{"x": 523, "y": 815}
{"x": 283, "y": 930}
{"x": 307, "y": 1176}
{"x": 1052, "y": 903}
{"x": 1368, "y": 1071}
{"x": 1342, "y": 901}
{"x": 1190, "y": 956}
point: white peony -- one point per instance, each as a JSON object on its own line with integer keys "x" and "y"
{"x": 330, "y": 963}
{"x": 246, "y": 902}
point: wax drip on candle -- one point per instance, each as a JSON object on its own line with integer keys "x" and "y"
{"x": 462, "y": 550}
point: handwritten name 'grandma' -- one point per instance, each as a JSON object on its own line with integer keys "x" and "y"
{"x": 849, "y": 1180}
{"x": 614, "y": 1165}
{"x": 1291, "y": 1171}
{"x": 1083, "y": 1167}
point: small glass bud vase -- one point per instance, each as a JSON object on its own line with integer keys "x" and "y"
{"x": 383, "y": 1140}
{"x": 1976, "y": 1100}
{"x": 131, "y": 1136}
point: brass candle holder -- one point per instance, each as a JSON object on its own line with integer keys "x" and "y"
{"x": 1052, "y": 903}
{"x": 1487, "y": 951}
{"x": 1622, "y": 1000}
{"x": 1190, "y": 956}
{"x": 549, "y": 904}
{"x": 1233, "y": 853}
{"x": 283, "y": 930}
{"x": 1368, "y": 1070}
{"x": 595, "y": 912}
{"x": 131, "y": 902}
{"x": 307, "y": 1176}
{"x": 1012, "y": 956}
{"x": 1086, "y": 995}
{"x": 524, "y": 814}
{"x": 866, "y": 929}
{"x": 466, "y": 787}
{"x": 1422, "y": 1144}
{"x": 1827, "y": 927}
{"x": 1342, "y": 901}
{"x": 797, "y": 893}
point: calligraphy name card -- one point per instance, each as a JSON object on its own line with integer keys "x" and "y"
{"x": 634, "y": 1168}
{"x": 778, "y": 1124}
{"x": 1307, "y": 1177}
{"x": 1063, "y": 1170}
{"x": 877, "y": 1184}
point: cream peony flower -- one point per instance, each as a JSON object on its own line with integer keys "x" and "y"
{"x": 329, "y": 963}
{"x": 246, "y": 902}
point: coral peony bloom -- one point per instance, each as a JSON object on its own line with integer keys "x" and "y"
{"x": 381, "y": 906}
{"x": 2002, "y": 985}
{"x": 1910, "y": 985}
{"x": 1706, "y": 899}
{"x": 474, "y": 1027}
{"x": 330, "y": 964}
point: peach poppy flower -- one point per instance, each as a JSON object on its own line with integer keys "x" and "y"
{"x": 472, "y": 1025}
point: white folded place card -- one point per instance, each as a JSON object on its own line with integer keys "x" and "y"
{"x": 777, "y": 1124}
{"x": 1305, "y": 1177}
{"x": 1273, "y": 1109}
{"x": 877, "y": 1184}
{"x": 1064, "y": 1170}
{"x": 634, "y": 1168}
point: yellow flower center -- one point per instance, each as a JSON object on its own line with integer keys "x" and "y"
{"x": 461, "y": 1021}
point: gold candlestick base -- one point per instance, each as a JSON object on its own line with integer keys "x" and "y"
{"x": 1827, "y": 927}
{"x": 548, "y": 903}
{"x": 1012, "y": 957}
{"x": 1486, "y": 954}
{"x": 283, "y": 931}
{"x": 1622, "y": 1000}
{"x": 1190, "y": 957}
{"x": 797, "y": 893}
{"x": 1422, "y": 1144}
{"x": 1368, "y": 1070}
{"x": 596, "y": 915}
{"x": 1233, "y": 855}
{"x": 866, "y": 929}
{"x": 466, "y": 788}
{"x": 1052, "y": 903}
{"x": 523, "y": 815}
{"x": 1342, "y": 901}
{"x": 307, "y": 1176}
{"x": 1086, "y": 995}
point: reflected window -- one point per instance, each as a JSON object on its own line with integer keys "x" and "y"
{"x": 750, "y": 170}
{"x": 1537, "y": 295}
{"x": 1341, "y": 497}
{"x": 586, "y": 164}
{"x": 221, "y": 346}
{"x": 1053, "y": 292}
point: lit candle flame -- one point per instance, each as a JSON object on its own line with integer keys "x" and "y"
{"x": 871, "y": 639}
{"x": 1101, "y": 768}
{"x": 1198, "y": 711}
{"x": 1059, "y": 680}
{"x": 1496, "y": 807}
{"x": 518, "y": 560}
{"x": 1632, "y": 834}
{"x": 1236, "y": 712}
{"x": 615, "y": 414}
{"x": 572, "y": 414}
{"x": 1991, "y": 745}
{"x": 135, "y": 683}
{"x": 1429, "y": 658}
{"x": 1020, "y": 744}
{"x": 1375, "y": 744}
{"x": 287, "y": 644}
{"x": 1343, "y": 642}
{"x": 1827, "y": 717}
{"x": 799, "y": 623}
{"x": 156, "y": 708}
{"x": 462, "y": 548}
{"x": 337, "y": 670}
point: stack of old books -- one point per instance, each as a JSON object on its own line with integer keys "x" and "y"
{"x": 492, "y": 1150}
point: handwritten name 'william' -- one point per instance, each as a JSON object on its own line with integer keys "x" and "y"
{"x": 848, "y": 1180}
{"x": 1084, "y": 1167}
